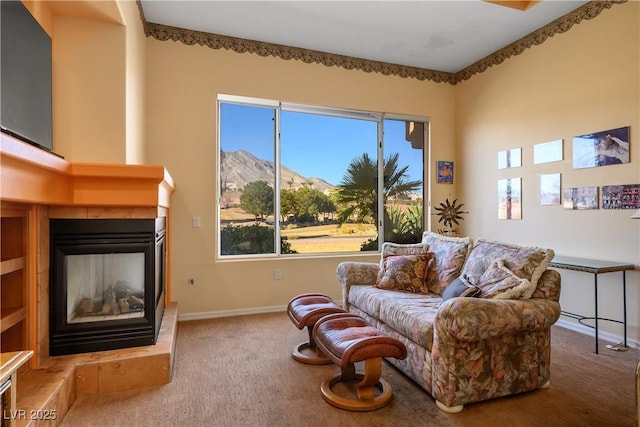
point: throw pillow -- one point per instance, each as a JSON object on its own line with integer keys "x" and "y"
{"x": 525, "y": 262}
{"x": 460, "y": 287}
{"x": 451, "y": 253}
{"x": 499, "y": 282}
{"x": 390, "y": 248}
{"x": 405, "y": 273}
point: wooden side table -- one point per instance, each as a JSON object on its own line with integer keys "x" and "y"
{"x": 596, "y": 267}
{"x": 9, "y": 365}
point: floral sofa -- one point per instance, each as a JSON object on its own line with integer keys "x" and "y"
{"x": 475, "y": 316}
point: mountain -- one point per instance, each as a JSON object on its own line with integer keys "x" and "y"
{"x": 240, "y": 167}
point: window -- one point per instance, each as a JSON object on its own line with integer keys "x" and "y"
{"x": 306, "y": 180}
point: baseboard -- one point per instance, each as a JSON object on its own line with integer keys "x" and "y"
{"x": 237, "y": 312}
{"x": 603, "y": 335}
{"x": 231, "y": 313}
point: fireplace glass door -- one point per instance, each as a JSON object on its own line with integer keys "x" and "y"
{"x": 107, "y": 289}
{"x": 104, "y": 286}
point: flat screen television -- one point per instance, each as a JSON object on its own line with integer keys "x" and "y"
{"x": 25, "y": 74}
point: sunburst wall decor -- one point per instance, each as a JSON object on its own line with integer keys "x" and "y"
{"x": 450, "y": 213}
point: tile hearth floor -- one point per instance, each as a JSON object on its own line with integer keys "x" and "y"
{"x": 56, "y": 383}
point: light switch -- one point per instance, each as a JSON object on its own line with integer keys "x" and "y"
{"x": 195, "y": 222}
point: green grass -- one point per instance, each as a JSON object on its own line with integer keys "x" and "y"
{"x": 329, "y": 238}
{"x": 331, "y": 230}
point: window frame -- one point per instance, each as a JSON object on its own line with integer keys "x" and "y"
{"x": 278, "y": 107}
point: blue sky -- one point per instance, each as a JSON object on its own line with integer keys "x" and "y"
{"x": 313, "y": 145}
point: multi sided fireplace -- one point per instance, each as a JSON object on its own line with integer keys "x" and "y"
{"x": 107, "y": 283}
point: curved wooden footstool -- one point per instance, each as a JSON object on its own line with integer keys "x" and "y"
{"x": 346, "y": 339}
{"x": 305, "y": 310}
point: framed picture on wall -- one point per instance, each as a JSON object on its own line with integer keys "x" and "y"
{"x": 510, "y": 158}
{"x": 547, "y": 152}
{"x": 445, "y": 172}
{"x": 609, "y": 147}
{"x": 621, "y": 196}
{"x": 580, "y": 198}
{"x": 510, "y": 198}
{"x": 550, "y": 189}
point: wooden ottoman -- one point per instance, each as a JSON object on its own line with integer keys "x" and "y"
{"x": 346, "y": 339}
{"x": 305, "y": 310}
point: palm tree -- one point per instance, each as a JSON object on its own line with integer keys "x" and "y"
{"x": 358, "y": 193}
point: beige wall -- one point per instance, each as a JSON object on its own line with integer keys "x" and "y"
{"x": 582, "y": 81}
{"x": 135, "y": 83}
{"x": 89, "y": 70}
{"x": 183, "y": 83}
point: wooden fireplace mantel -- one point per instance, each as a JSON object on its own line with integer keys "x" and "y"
{"x": 32, "y": 175}
{"x": 36, "y": 185}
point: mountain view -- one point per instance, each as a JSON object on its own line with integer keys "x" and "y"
{"x": 238, "y": 168}
{"x": 309, "y": 222}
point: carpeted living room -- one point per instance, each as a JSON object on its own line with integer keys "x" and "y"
{"x": 229, "y": 372}
{"x": 439, "y": 199}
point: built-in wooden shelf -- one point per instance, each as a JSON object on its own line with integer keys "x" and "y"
{"x": 11, "y": 316}
{"x": 13, "y": 278}
{"x": 12, "y": 265}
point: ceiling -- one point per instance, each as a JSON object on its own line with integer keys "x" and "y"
{"x": 444, "y": 36}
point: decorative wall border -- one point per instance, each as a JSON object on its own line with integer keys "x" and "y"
{"x": 215, "y": 41}
{"x": 587, "y": 11}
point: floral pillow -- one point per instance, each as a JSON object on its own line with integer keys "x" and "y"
{"x": 405, "y": 273}
{"x": 525, "y": 262}
{"x": 451, "y": 253}
{"x": 499, "y": 282}
{"x": 390, "y": 248}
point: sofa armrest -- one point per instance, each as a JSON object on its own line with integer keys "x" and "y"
{"x": 355, "y": 273}
{"x": 484, "y": 348}
{"x": 474, "y": 319}
{"x": 548, "y": 286}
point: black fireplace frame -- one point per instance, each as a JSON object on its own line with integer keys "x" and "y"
{"x": 104, "y": 236}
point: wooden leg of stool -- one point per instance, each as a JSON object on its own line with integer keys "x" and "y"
{"x": 348, "y": 372}
{"x": 313, "y": 357}
{"x": 312, "y": 343}
{"x": 368, "y": 383}
{"x": 372, "y": 372}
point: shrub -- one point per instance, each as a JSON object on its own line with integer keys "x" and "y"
{"x": 253, "y": 239}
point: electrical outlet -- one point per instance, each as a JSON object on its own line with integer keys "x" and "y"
{"x": 195, "y": 222}
{"x": 277, "y": 274}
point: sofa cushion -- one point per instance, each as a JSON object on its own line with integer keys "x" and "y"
{"x": 525, "y": 262}
{"x": 413, "y": 318}
{"x": 369, "y": 298}
{"x": 405, "y": 273}
{"x": 460, "y": 287}
{"x": 451, "y": 253}
{"x": 498, "y": 282}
